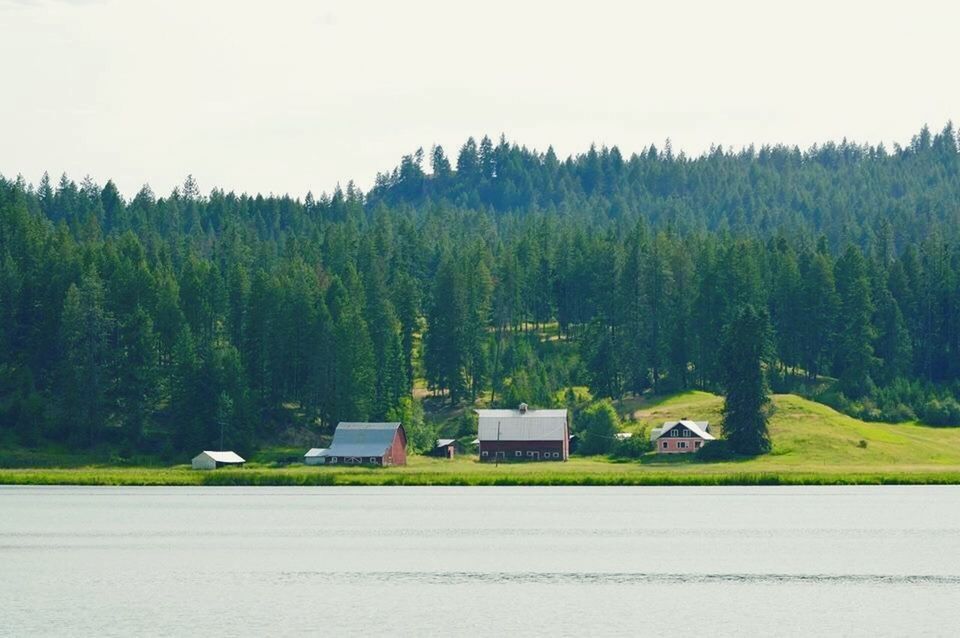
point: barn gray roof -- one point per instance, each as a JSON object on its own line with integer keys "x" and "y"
{"x": 362, "y": 439}
{"x": 517, "y": 425}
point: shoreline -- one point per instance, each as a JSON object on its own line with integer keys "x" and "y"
{"x": 173, "y": 477}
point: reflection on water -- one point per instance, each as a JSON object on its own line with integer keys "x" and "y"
{"x": 481, "y": 561}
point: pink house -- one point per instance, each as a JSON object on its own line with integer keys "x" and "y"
{"x": 681, "y": 437}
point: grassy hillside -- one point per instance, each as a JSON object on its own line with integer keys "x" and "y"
{"x": 811, "y": 444}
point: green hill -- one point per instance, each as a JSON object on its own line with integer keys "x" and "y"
{"x": 809, "y": 436}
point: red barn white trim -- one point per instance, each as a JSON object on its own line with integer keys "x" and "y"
{"x": 523, "y": 435}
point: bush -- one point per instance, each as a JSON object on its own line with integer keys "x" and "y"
{"x": 718, "y": 450}
{"x": 421, "y": 436}
{"x": 599, "y": 425}
{"x": 631, "y": 448}
{"x": 944, "y": 411}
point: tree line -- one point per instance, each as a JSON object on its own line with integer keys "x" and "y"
{"x": 160, "y": 323}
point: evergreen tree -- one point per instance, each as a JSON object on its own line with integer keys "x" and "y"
{"x": 854, "y": 358}
{"x": 745, "y": 350}
{"x": 86, "y": 330}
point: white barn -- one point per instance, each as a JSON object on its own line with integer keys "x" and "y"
{"x": 210, "y": 460}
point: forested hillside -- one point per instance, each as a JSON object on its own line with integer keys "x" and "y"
{"x": 158, "y": 323}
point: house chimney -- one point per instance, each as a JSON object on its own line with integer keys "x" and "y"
{"x": 523, "y": 408}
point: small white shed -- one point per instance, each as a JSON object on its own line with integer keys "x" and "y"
{"x": 314, "y": 456}
{"x": 209, "y": 460}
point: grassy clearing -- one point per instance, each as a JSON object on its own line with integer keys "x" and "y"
{"x": 813, "y": 444}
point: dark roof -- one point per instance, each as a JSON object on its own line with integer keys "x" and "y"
{"x": 362, "y": 439}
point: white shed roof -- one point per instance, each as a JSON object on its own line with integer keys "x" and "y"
{"x": 223, "y": 456}
{"x": 315, "y": 451}
{"x": 529, "y": 425}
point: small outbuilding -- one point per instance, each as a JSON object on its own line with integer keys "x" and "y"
{"x": 314, "y": 456}
{"x": 681, "y": 437}
{"x": 446, "y": 448}
{"x": 366, "y": 444}
{"x": 210, "y": 460}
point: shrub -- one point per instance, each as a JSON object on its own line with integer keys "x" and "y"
{"x": 718, "y": 450}
{"x": 421, "y": 435}
{"x": 599, "y": 425}
{"x": 631, "y": 448}
{"x": 944, "y": 411}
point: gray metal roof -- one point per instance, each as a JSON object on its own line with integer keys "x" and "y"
{"x": 362, "y": 439}
{"x": 315, "y": 451}
{"x": 514, "y": 425}
{"x": 445, "y": 442}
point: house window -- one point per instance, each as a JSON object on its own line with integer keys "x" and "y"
{"x": 664, "y": 445}
{"x": 697, "y": 444}
{"x": 518, "y": 453}
{"x": 682, "y": 444}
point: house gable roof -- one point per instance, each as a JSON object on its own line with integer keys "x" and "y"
{"x": 698, "y": 429}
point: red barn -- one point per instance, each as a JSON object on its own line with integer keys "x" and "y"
{"x": 523, "y": 435}
{"x": 367, "y": 444}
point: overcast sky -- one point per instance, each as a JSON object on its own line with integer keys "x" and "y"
{"x": 291, "y": 96}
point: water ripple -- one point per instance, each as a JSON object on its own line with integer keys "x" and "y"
{"x": 622, "y": 578}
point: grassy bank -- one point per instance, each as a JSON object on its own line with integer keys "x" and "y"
{"x": 813, "y": 445}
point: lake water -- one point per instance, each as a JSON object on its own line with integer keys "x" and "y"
{"x": 870, "y": 561}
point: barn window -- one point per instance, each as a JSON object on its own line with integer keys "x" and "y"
{"x": 556, "y": 455}
{"x": 484, "y": 453}
{"x": 519, "y": 453}
{"x": 333, "y": 460}
{"x": 373, "y": 459}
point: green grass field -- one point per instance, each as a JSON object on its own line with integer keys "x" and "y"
{"x": 813, "y": 444}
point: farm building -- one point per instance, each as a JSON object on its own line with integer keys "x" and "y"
{"x": 314, "y": 456}
{"x": 208, "y": 460}
{"x": 523, "y": 435}
{"x": 681, "y": 437}
{"x": 366, "y": 444}
{"x": 446, "y": 448}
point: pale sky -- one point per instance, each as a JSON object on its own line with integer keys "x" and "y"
{"x": 291, "y": 96}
